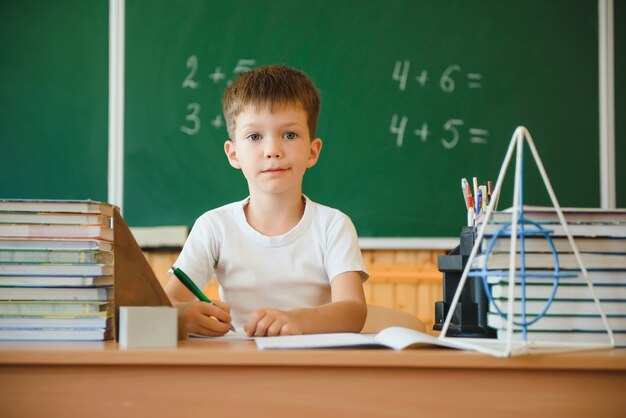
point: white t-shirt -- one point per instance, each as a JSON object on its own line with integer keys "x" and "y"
{"x": 293, "y": 270}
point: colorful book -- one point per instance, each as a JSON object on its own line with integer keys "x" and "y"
{"x": 55, "y": 281}
{"x": 53, "y": 218}
{"x": 587, "y": 337}
{"x": 617, "y": 230}
{"x": 70, "y": 206}
{"x": 46, "y": 269}
{"x": 55, "y": 256}
{"x": 54, "y": 308}
{"x": 56, "y": 231}
{"x": 561, "y": 244}
{"x": 57, "y": 293}
{"x": 563, "y": 322}
{"x": 61, "y": 315}
{"x": 56, "y": 334}
{"x": 563, "y": 307}
{"x": 41, "y": 321}
{"x": 542, "y": 214}
{"x": 7, "y": 243}
{"x": 596, "y": 276}
{"x": 563, "y": 291}
{"x": 546, "y": 261}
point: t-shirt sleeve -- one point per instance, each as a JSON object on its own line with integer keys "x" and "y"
{"x": 343, "y": 253}
{"x": 197, "y": 258}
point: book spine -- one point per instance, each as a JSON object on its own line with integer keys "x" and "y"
{"x": 51, "y": 308}
{"x": 596, "y": 337}
{"x": 560, "y": 307}
{"x": 81, "y": 257}
{"x": 562, "y": 292}
{"x": 56, "y": 294}
{"x": 562, "y": 323}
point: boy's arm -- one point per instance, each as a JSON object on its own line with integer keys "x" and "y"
{"x": 346, "y": 312}
{"x": 177, "y": 292}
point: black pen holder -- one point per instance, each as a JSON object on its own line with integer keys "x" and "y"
{"x": 470, "y": 314}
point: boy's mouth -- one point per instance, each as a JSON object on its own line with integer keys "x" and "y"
{"x": 274, "y": 170}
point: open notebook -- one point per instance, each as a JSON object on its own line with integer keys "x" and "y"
{"x": 397, "y": 338}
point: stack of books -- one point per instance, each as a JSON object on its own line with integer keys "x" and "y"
{"x": 573, "y": 315}
{"x": 56, "y": 270}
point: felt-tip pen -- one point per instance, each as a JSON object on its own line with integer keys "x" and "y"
{"x": 189, "y": 284}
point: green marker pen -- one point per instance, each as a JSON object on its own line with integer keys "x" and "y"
{"x": 189, "y": 284}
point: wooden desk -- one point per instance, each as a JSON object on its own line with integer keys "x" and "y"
{"x": 232, "y": 379}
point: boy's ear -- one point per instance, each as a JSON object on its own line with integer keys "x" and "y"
{"x": 231, "y": 153}
{"x": 314, "y": 152}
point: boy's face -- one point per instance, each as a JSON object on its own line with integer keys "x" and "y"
{"x": 273, "y": 149}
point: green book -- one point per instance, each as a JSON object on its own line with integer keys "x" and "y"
{"x": 50, "y": 205}
{"x": 579, "y": 290}
{"x": 55, "y": 256}
{"x": 48, "y": 269}
{"x": 57, "y": 293}
{"x": 9, "y": 243}
{"x": 588, "y": 337}
{"x": 9, "y": 307}
{"x": 44, "y": 321}
{"x": 54, "y": 218}
{"x": 56, "y": 334}
{"x": 562, "y": 322}
{"x": 55, "y": 281}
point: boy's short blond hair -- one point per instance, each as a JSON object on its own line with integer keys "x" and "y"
{"x": 274, "y": 86}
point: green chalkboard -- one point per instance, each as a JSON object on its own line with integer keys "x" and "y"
{"x": 478, "y": 67}
{"x": 54, "y": 95}
{"x": 415, "y": 96}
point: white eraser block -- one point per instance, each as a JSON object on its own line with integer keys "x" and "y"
{"x": 148, "y": 327}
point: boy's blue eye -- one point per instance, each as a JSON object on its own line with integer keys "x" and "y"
{"x": 254, "y": 137}
{"x": 290, "y": 135}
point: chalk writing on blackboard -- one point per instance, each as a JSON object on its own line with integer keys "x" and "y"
{"x": 451, "y": 135}
{"x": 453, "y": 130}
{"x": 448, "y": 79}
{"x": 193, "y": 122}
{"x": 193, "y": 119}
{"x": 192, "y": 65}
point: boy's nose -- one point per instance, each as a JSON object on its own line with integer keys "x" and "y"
{"x": 272, "y": 149}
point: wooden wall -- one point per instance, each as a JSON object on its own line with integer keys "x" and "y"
{"x": 402, "y": 279}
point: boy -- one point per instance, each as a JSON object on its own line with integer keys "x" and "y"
{"x": 285, "y": 264}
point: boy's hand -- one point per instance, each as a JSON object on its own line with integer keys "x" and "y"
{"x": 271, "y": 322}
{"x": 211, "y": 319}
